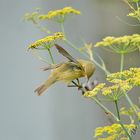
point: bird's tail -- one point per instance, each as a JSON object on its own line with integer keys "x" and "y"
{"x": 42, "y": 88}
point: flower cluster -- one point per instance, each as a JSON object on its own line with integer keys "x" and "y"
{"x": 122, "y": 82}
{"x": 135, "y": 14}
{"x": 130, "y": 77}
{"x": 94, "y": 91}
{"x": 47, "y": 41}
{"x": 129, "y": 112}
{"x": 121, "y": 45}
{"x": 33, "y": 17}
{"x": 113, "y": 92}
{"x": 113, "y": 132}
{"x": 59, "y": 14}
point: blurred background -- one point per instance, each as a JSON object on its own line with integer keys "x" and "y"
{"x": 62, "y": 113}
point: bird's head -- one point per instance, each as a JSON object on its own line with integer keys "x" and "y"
{"x": 88, "y": 67}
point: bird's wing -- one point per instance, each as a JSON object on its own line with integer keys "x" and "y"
{"x": 52, "y": 66}
{"x": 66, "y": 54}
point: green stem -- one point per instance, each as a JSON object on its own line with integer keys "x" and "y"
{"x": 128, "y": 135}
{"x": 72, "y": 45}
{"x": 137, "y": 4}
{"x": 42, "y": 28}
{"x": 122, "y": 62}
{"x": 108, "y": 111}
{"x": 118, "y": 113}
{"x": 66, "y": 40}
{"x": 36, "y": 54}
{"x": 51, "y": 56}
{"x": 131, "y": 103}
{"x": 62, "y": 28}
{"x": 105, "y": 70}
{"x": 105, "y": 109}
{"x": 76, "y": 48}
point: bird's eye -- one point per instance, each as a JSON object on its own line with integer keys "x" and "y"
{"x": 81, "y": 68}
{"x": 77, "y": 67}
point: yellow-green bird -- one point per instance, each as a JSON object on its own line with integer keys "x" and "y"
{"x": 67, "y": 71}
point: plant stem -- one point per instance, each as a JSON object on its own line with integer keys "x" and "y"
{"x": 42, "y": 28}
{"x": 129, "y": 136}
{"x": 62, "y": 28}
{"x": 109, "y": 112}
{"x": 137, "y": 5}
{"x": 131, "y": 103}
{"x": 105, "y": 109}
{"x": 72, "y": 45}
{"x": 105, "y": 70}
{"x": 36, "y": 54}
{"x": 122, "y": 62}
{"x": 51, "y": 56}
{"x": 118, "y": 113}
{"x": 66, "y": 40}
{"x": 76, "y": 48}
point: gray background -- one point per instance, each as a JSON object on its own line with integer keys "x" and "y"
{"x": 61, "y": 113}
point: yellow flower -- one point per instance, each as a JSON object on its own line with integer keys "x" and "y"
{"x": 135, "y": 14}
{"x": 31, "y": 16}
{"x": 47, "y": 41}
{"x": 124, "y": 138}
{"x": 131, "y": 126}
{"x": 127, "y": 112}
{"x": 123, "y": 44}
{"x": 106, "y": 91}
{"x": 106, "y": 41}
{"x": 59, "y": 15}
{"x": 125, "y": 86}
{"x": 99, "y": 131}
{"x": 94, "y": 92}
{"x": 113, "y": 132}
{"x": 114, "y": 91}
{"x": 139, "y": 115}
{"x": 127, "y": 78}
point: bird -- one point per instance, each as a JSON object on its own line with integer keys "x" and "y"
{"x": 66, "y": 71}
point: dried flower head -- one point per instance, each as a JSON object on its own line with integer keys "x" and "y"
{"x": 121, "y": 45}
{"x": 59, "y": 15}
{"x": 47, "y": 41}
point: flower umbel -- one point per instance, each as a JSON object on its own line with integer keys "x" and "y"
{"x": 121, "y": 45}
{"x": 47, "y": 41}
{"x": 33, "y": 17}
{"x": 135, "y": 14}
{"x": 59, "y": 15}
{"x": 129, "y": 112}
{"x": 113, "y": 92}
{"x": 94, "y": 92}
{"x": 131, "y": 77}
{"x": 113, "y": 131}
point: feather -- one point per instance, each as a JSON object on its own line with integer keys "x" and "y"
{"x": 45, "y": 85}
{"x": 66, "y": 54}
